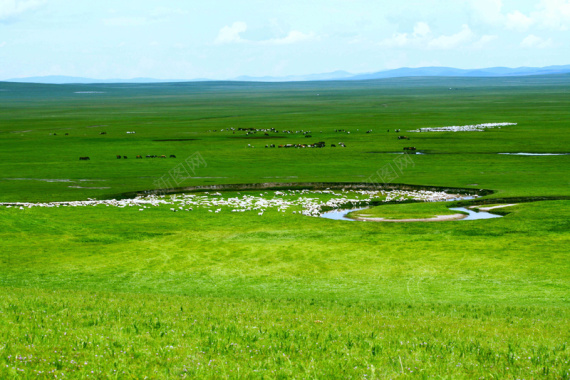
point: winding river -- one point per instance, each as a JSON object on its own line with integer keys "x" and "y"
{"x": 473, "y": 215}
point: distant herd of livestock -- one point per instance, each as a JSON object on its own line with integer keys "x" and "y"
{"x": 138, "y": 156}
{"x": 320, "y": 144}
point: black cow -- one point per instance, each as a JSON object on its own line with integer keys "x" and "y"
{"x": 172, "y": 156}
{"x": 84, "y": 158}
{"x": 118, "y": 157}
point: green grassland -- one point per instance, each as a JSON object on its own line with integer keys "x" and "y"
{"x": 107, "y": 292}
{"x": 189, "y": 111}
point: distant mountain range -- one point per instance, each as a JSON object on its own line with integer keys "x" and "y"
{"x": 336, "y": 75}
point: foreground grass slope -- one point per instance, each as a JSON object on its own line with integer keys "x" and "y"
{"x": 71, "y": 334}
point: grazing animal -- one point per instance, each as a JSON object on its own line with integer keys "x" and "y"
{"x": 409, "y": 148}
{"x": 139, "y": 156}
{"x": 308, "y": 136}
{"x": 148, "y": 156}
{"x": 403, "y": 138}
{"x": 118, "y": 157}
{"x": 67, "y": 134}
{"x": 163, "y": 156}
{"x": 103, "y": 133}
{"x": 84, "y": 158}
{"x": 125, "y": 157}
{"x": 172, "y": 156}
{"x": 333, "y": 146}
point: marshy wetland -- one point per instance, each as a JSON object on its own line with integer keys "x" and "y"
{"x": 194, "y": 266}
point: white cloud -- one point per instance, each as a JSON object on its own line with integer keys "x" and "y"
{"x": 421, "y": 29}
{"x": 488, "y": 11}
{"x": 453, "y": 41}
{"x": 420, "y": 35}
{"x": 232, "y": 34}
{"x": 293, "y": 37}
{"x": 422, "y": 38}
{"x": 549, "y": 14}
{"x": 518, "y": 21}
{"x": 554, "y": 14}
{"x": 483, "y": 41}
{"x": 12, "y": 8}
{"x": 534, "y": 42}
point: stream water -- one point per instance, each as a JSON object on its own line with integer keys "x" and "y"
{"x": 473, "y": 215}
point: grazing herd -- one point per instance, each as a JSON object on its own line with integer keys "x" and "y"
{"x": 266, "y": 131}
{"x": 147, "y": 156}
{"x": 320, "y": 144}
{"x": 304, "y": 202}
{"x": 125, "y": 157}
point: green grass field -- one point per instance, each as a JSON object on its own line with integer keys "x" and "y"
{"x": 110, "y": 292}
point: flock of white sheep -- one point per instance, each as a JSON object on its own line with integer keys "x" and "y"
{"x": 464, "y": 128}
{"x": 305, "y": 202}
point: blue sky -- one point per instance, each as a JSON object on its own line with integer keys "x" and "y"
{"x": 222, "y": 39}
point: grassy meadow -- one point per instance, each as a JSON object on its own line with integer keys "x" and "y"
{"x": 110, "y": 292}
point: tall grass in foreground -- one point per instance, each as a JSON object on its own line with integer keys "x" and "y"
{"x": 72, "y": 334}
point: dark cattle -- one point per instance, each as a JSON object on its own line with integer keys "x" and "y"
{"x": 103, "y": 133}
{"x": 139, "y": 156}
{"x": 125, "y": 157}
{"x": 308, "y": 136}
{"x": 148, "y": 156}
{"x": 163, "y": 156}
{"x": 84, "y": 158}
{"x": 410, "y": 148}
{"x": 172, "y": 156}
{"x": 333, "y": 146}
{"x": 403, "y": 138}
{"x": 67, "y": 134}
{"x": 118, "y": 157}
